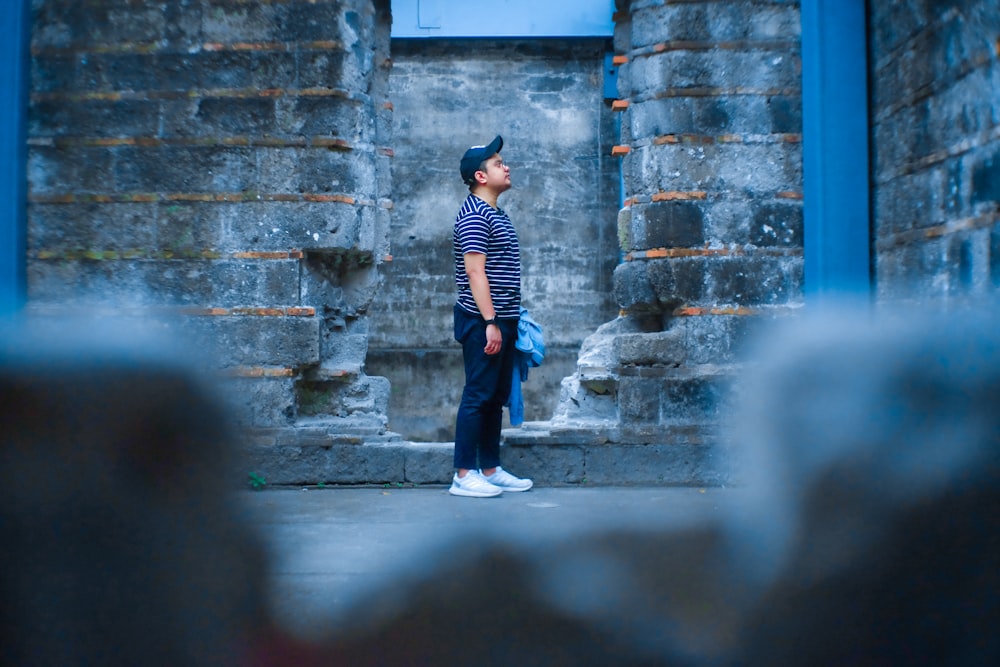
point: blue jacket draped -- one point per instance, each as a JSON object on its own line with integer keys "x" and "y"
{"x": 529, "y": 351}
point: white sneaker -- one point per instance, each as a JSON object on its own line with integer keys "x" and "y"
{"x": 473, "y": 485}
{"x": 504, "y": 480}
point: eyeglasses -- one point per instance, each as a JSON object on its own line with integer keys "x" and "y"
{"x": 498, "y": 163}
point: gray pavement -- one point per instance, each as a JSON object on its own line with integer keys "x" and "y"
{"x": 330, "y": 548}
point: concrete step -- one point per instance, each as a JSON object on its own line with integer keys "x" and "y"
{"x": 551, "y": 457}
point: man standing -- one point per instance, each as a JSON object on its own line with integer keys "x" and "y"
{"x": 488, "y": 276}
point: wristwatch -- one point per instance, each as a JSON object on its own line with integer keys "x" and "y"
{"x": 492, "y": 321}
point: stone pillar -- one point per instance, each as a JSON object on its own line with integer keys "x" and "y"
{"x": 711, "y": 230}
{"x": 220, "y": 167}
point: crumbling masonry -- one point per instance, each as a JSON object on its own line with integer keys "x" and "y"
{"x": 225, "y": 168}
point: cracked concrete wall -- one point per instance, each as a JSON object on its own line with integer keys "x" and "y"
{"x": 545, "y": 97}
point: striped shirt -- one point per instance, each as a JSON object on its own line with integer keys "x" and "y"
{"x": 480, "y": 228}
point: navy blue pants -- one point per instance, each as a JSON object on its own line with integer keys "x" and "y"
{"x": 487, "y": 387}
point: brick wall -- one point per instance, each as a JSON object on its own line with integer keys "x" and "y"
{"x": 225, "y": 162}
{"x": 935, "y": 111}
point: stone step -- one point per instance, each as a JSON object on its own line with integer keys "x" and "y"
{"x": 550, "y": 458}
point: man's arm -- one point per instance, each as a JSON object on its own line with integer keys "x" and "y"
{"x": 479, "y": 284}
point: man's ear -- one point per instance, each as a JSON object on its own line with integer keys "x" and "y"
{"x": 480, "y": 177}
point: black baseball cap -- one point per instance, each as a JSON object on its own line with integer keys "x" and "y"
{"x": 475, "y": 156}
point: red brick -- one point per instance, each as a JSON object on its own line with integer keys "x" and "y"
{"x": 675, "y": 195}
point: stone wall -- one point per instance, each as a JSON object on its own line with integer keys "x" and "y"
{"x": 545, "y": 97}
{"x": 935, "y": 113}
{"x": 710, "y": 96}
{"x": 228, "y": 168}
{"x": 220, "y": 166}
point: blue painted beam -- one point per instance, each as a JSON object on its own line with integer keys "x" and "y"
{"x": 835, "y": 148}
{"x": 502, "y": 18}
{"x": 13, "y": 150}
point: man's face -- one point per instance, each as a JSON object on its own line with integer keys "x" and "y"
{"x": 497, "y": 174}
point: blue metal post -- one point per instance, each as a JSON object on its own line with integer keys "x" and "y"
{"x": 13, "y": 150}
{"x": 835, "y": 148}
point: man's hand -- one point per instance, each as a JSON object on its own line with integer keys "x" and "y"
{"x": 494, "y": 338}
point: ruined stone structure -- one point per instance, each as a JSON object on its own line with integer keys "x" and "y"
{"x": 222, "y": 168}
{"x": 711, "y": 228}
{"x": 236, "y": 169}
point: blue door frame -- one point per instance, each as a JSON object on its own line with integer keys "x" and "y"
{"x": 13, "y": 149}
{"x": 835, "y": 149}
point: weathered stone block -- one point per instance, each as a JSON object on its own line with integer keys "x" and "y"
{"x": 689, "y": 278}
{"x": 714, "y": 21}
{"x": 116, "y": 71}
{"x": 261, "y": 402}
{"x": 63, "y": 24}
{"x": 547, "y": 465}
{"x": 785, "y": 114}
{"x": 754, "y": 280}
{"x": 625, "y": 241}
{"x": 321, "y": 69}
{"x": 654, "y": 465}
{"x": 986, "y": 180}
{"x": 676, "y": 224}
{"x": 184, "y": 169}
{"x": 710, "y": 339}
{"x": 204, "y": 283}
{"x": 368, "y": 464}
{"x": 765, "y": 168}
{"x": 316, "y": 171}
{"x": 713, "y": 69}
{"x": 587, "y": 403}
{"x": 52, "y": 72}
{"x": 429, "y": 462}
{"x": 61, "y": 171}
{"x": 665, "y": 348}
{"x": 698, "y": 116}
{"x": 632, "y": 287}
{"x": 777, "y": 224}
{"x": 639, "y": 400}
{"x": 725, "y": 339}
{"x": 223, "y": 116}
{"x": 94, "y": 118}
{"x": 324, "y": 115}
{"x": 694, "y": 399}
{"x": 257, "y": 341}
{"x": 248, "y": 22}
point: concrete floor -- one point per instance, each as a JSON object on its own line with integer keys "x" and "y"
{"x": 331, "y": 548}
